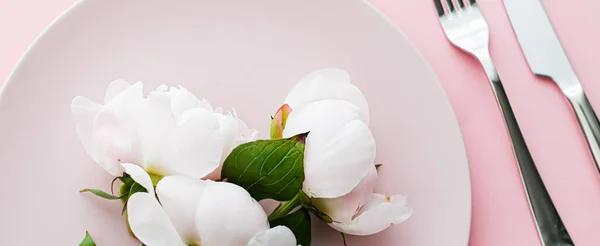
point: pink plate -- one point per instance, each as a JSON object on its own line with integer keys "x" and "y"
{"x": 240, "y": 54}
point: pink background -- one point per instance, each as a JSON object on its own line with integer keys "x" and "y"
{"x": 500, "y": 211}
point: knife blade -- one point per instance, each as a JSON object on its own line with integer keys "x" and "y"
{"x": 539, "y": 42}
{"x": 546, "y": 57}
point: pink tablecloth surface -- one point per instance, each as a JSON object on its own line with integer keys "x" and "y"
{"x": 500, "y": 213}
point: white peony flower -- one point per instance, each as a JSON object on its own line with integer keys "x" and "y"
{"x": 170, "y": 132}
{"x": 339, "y": 153}
{"x": 199, "y": 212}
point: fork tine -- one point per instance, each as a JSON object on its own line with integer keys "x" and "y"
{"x": 439, "y": 7}
{"x": 450, "y": 6}
{"x": 461, "y": 3}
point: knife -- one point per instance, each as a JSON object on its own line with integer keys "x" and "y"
{"x": 547, "y": 58}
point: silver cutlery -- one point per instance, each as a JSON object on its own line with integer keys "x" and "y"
{"x": 467, "y": 29}
{"x": 547, "y": 58}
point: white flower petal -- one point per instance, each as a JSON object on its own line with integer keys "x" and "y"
{"x": 234, "y": 132}
{"x": 110, "y": 140}
{"x": 229, "y": 129}
{"x": 340, "y": 148}
{"x": 162, "y": 89}
{"x": 324, "y": 118}
{"x": 149, "y": 222}
{"x": 140, "y": 176}
{"x": 334, "y": 165}
{"x": 204, "y": 118}
{"x": 342, "y": 209}
{"x": 126, "y": 102}
{"x": 179, "y": 198}
{"x": 276, "y": 236}
{"x": 218, "y": 110}
{"x": 114, "y": 137}
{"x": 191, "y": 150}
{"x": 115, "y": 141}
{"x": 246, "y": 135}
{"x": 159, "y": 113}
{"x": 111, "y": 165}
{"x": 327, "y": 83}
{"x": 84, "y": 113}
{"x": 115, "y": 88}
{"x": 182, "y": 100}
{"x": 377, "y": 215}
{"x": 228, "y": 216}
{"x": 158, "y": 122}
{"x": 206, "y": 105}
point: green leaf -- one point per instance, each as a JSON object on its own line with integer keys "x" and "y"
{"x": 135, "y": 188}
{"x": 299, "y": 223}
{"x": 268, "y": 168}
{"x": 126, "y": 183}
{"x": 87, "y": 241}
{"x": 102, "y": 194}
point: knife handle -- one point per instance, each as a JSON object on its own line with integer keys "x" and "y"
{"x": 587, "y": 120}
{"x": 547, "y": 220}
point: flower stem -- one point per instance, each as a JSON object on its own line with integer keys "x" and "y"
{"x": 286, "y": 207}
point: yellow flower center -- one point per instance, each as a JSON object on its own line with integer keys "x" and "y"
{"x": 155, "y": 178}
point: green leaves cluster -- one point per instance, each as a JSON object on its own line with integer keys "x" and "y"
{"x": 274, "y": 169}
{"x": 268, "y": 168}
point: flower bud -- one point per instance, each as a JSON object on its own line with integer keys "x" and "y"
{"x": 278, "y": 121}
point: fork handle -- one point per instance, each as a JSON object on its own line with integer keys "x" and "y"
{"x": 588, "y": 122}
{"x": 551, "y": 229}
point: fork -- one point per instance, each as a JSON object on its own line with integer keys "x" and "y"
{"x": 467, "y": 29}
